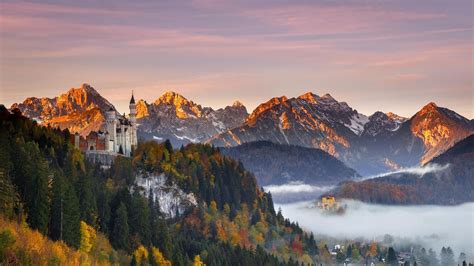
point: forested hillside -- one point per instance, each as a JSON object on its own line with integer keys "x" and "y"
{"x": 274, "y": 163}
{"x": 450, "y": 182}
{"x": 48, "y": 185}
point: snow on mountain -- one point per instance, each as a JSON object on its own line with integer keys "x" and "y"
{"x": 308, "y": 120}
{"x": 182, "y": 121}
{"x": 379, "y": 122}
{"x": 370, "y": 145}
{"x": 357, "y": 124}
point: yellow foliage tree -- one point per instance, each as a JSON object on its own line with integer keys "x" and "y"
{"x": 213, "y": 207}
{"x": 140, "y": 254}
{"x": 158, "y": 257}
{"x": 197, "y": 261}
{"x": 88, "y": 236}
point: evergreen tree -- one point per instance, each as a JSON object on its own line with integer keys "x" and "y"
{"x": 462, "y": 258}
{"x": 432, "y": 258}
{"x": 104, "y": 209}
{"x": 140, "y": 218}
{"x": 349, "y": 251}
{"x": 71, "y": 218}
{"x": 447, "y": 256}
{"x": 57, "y": 208}
{"x": 37, "y": 194}
{"x": 9, "y": 198}
{"x": 391, "y": 257}
{"x": 120, "y": 232}
{"x": 87, "y": 200}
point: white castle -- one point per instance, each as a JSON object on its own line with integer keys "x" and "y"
{"x": 120, "y": 134}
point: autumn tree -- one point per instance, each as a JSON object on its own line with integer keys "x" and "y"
{"x": 88, "y": 236}
{"x": 157, "y": 258}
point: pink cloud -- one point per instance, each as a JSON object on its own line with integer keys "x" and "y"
{"x": 31, "y": 8}
{"x": 406, "y": 77}
{"x": 324, "y": 19}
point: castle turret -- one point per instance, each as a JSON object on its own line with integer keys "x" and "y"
{"x": 133, "y": 122}
{"x": 107, "y": 141}
{"x": 111, "y": 121}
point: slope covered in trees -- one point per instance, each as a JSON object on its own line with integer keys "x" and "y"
{"x": 280, "y": 163}
{"x": 450, "y": 182}
{"x": 48, "y": 185}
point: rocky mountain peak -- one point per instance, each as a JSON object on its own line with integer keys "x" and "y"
{"x": 439, "y": 128}
{"x": 267, "y": 105}
{"x": 396, "y": 117}
{"x": 328, "y": 96}
{"x": 378, "y": 115}
{"x": 182, "y": 107}
{"x": 172, "y": 98}
{"x": 237, "y": 104}
{"x": 79, "y": 109}
{"x": 309, "y": 97}
{"x": 379, "y": 122}
{"x": 142, "y": 108}
{"x": 429, "y": 108}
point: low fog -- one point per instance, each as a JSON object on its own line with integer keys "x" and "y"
{"x": 296, "y": 191}
{"x": 420, "y": 171}
{"x": 430, "y": 226}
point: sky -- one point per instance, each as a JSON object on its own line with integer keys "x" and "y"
{"x": 376, "y": 55}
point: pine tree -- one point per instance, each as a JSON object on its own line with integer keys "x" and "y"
{"x": 120, "y": 232}
{"x": 57, "y": 208}
{"x": 140, "y": 218}
{"x": 9, "y": 198}
{"x": 447, "y": 256}
{"x": 391, "y": 257}
{"x": 87, "y": 200}
{"x": 104, "y": 211}
{"x": 71, "y": 218}
{"x": 432, "y": 258}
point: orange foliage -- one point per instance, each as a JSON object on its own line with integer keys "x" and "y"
{"x": 31, "y": 247}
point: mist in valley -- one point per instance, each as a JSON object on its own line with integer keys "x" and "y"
{"x": 430, "y": 226}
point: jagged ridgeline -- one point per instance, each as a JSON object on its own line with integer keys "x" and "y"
{"x": 98, "y": 215}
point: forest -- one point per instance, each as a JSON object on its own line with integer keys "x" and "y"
{"x": 58, "y": 208}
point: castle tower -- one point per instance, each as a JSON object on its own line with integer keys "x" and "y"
{"x": 133, "y": 122}
{"x": 111, "y": 129}
{"x": 107, "y": 141}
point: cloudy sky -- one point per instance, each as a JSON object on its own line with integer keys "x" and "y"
{"x": 376, "y": 55}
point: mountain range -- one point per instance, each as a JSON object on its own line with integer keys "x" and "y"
{"x": 173, "y": 117}
{"x": 369, "y": 144}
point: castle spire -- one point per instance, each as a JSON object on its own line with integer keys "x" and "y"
{"x": 132, "y": 100}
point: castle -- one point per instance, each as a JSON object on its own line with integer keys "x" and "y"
{"x": 328, "y": 203}
{"x": 119, "y": 137}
